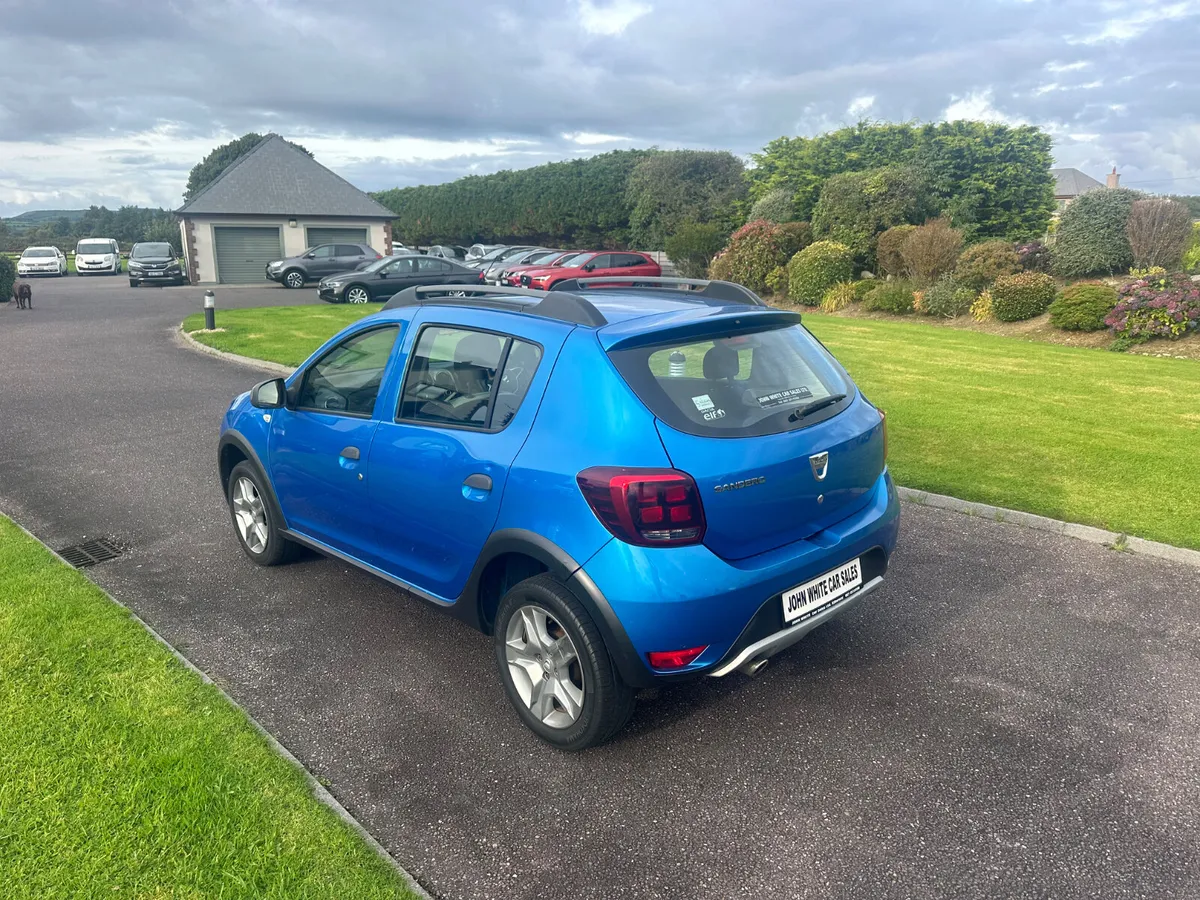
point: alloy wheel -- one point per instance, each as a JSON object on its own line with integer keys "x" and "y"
{"x": 294, "y": 280}
{"x": 250, "y": 514}
{"x": 544, "y": 666}
{"x": 357, "y": 295}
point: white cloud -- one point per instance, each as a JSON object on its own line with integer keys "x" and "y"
{"x": 1129, "y": 22}
{"x": 977, "y": 105}
{"x": 612, "y": 19}
{"x": 591, "y": 137}
{"x": 1057, "y": 67}
{"x": 859, "y": 105}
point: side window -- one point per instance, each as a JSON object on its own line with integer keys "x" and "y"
{"x": 323, "y": 252}
{"x": 603, "y": 261}
{"x": 451, "y": 377}
{"x": 348, "y": 250}
{"x": 628, "y": 260}
{"x": 522, "y": 362}
{"x": 402, "y": 266}
{"x": 347, "y": 378}
{"x": 427, "y": 265}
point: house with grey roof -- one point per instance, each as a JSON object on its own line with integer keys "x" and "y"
{"x": 274, "y": 202}
{"x": 1070, "y": 183}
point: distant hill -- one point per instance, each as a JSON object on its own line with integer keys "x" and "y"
{"x": 35, "y": 217}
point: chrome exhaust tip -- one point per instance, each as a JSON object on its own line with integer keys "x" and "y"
{"x": 753, "y": 667}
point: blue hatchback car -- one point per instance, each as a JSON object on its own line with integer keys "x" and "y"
{"x": 626, "y": 482}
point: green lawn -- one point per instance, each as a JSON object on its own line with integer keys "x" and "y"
{"x": 1105, "y": 439}
{"x": 281, "y": 334}
{"x": 123, "y": 775}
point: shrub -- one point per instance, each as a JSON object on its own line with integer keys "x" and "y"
{"x": 1091, "y": 234}
{"x": 1159, "y": 230}
{"x": 1151, "y": 272}
{"x": 981, "y": 309}
{"x": 774, "y": 206}
{"x": 719, "y": 269}
{"x": 1083, "y": 306}
{"x": 931, "y": 250}
{"x": 1022, "y": 296}
{"x": 693, "y": 247}
{"x": 838, "y": 297}
{"x": 864, "y": 287}
{"x": 754, "y": 251}
{"x": 816, "y": 268}
{"x": 794, "y": 237}
{"x": 981, "y": 264}
{"x": 1169, "y": 308}
{"x": 856, "y": 207}
{"x": 1035, "y": 257}
{"x": 8, "y": 276}
{"x": 891, "y": 296}
{"x": 887, "y": 250}
{"x": 1191, "y": 257}
{"x": 948, "y": 298}
{"x": 777, "y": 281}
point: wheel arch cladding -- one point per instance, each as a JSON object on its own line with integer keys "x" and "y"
{"x": 235, "y": 449}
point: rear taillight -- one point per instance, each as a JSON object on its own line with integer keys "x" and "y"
{"x": 378, "y": 255}
{"x": 883, "y": 419}
{"x": 647, "y": 507}
{"x": 674, "y": 659}
{"x": 481, "y": 278}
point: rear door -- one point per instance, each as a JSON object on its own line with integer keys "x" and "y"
{"x": 472, "y": 385}
{"x": 733, "y": 412}
{"x": 350, "y": 256}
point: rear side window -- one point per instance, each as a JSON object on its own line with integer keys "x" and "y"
{"x": 348, "y": 250}
{"x": 452, "y": 378}
{"x": 735, "y": 385}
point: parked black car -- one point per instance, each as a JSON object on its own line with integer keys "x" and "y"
{"x": 381, "y": 279}
{"x": 155, "y": 262}
{"x": 317, "y": 262}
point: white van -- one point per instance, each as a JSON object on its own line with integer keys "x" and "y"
{"x": 98, "y": 255}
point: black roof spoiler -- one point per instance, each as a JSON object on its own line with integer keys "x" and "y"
{"x": 716, "y": 290}
{"x": 564, "y": 307}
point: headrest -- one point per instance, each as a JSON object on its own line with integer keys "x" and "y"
{"x": 721, "y": 361}
{"x": 477, "y": 349}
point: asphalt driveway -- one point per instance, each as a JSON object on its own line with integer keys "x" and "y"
{"x": 1012, "y": 715}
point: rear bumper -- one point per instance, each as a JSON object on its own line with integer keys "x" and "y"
{"x": 669, "y": 599}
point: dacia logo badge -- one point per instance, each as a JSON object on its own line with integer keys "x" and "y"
{"x": 820, "y": 465}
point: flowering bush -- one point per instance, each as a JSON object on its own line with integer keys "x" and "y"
{"x": 754, "y": 251}
{"x": 1035, "y": 257}
{"x": 1150, "y": 308}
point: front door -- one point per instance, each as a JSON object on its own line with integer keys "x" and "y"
{"x": 319, "y": 447}
{"x": 439, "y": 469}
{"x": 322, "y": 261}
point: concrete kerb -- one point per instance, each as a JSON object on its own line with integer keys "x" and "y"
{"x": 1110, "y": 539}
{"x": 1087, "y": 533}
{"x": 261, "y": 364}
{"x": 319, "y": 791}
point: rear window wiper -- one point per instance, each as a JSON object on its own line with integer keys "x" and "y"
{"x": 798, "y": 414}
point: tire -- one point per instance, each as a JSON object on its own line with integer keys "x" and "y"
{"x": 254, "y": 520}
{"x": 292, "y": 279}
{"x": 588, "y": 702}
{"x": 357, "y": 294}
{"x": 133, "y": 283}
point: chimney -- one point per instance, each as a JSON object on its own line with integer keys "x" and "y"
{"x": 1114, "y": 180}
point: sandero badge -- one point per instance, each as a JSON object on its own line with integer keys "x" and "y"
{"x": 738, "y": 485}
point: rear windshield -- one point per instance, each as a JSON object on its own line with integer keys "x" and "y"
{"x": 94, "y": 247}
{"x": 736, "y": 385}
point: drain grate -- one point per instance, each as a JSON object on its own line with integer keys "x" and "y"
{"x": 88, "y": 554}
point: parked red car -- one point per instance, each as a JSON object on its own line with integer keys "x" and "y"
{"x": 590, "y": 265}
{"x": 512, "y": 277}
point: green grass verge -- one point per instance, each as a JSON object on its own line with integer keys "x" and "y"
{"x": 123, "y": 775}
{"x": 280, "y": 334}
{"x": 1104, "y": 439}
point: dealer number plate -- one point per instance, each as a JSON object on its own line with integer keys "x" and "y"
{"x": 828, "y": 588}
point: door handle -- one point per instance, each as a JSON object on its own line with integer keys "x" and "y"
{"x": 350, "y": 453}
{"x": 479, "y": 482}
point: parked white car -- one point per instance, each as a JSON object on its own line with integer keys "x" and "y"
{"x": 101, "y": 255}
{"x": 42, "y": 261}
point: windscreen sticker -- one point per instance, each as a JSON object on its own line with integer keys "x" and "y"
{"x": 703, "y": 402}
{"x": 780, "y": 397}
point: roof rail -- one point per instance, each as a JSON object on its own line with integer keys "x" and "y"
{"x": 564, "y": 307}
{"x": 717, "y": 290}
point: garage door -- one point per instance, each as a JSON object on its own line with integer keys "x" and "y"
{"x": 333, "y": 235}
{"x": 243, "y": 253}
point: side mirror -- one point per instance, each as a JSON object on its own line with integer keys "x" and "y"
{"x": 589, "y": 267}
{"x": 269, "y": 394}
{"x": 310, "y": 256}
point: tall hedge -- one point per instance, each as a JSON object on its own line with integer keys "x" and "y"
{"x": 672, "y": 187}
{"x": 993, "y": 180}
{"x": 577, "y": 203}
{"x": 1091, "y": 238}
{"x": 856, "y": 207}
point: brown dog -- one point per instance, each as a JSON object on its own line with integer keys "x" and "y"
{"x": 23, "y": 294}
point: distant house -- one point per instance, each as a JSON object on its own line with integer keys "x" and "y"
{"x": 1070, "y": 183}
{"x": 272, "y": 203}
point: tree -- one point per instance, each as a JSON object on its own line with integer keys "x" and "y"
{"x": 774, "y": 206}
{"x": 163, "y": 228}
{"x": 692, "y": 247}
{"x": 671, "y": 187}
{"x": 1159, "y": 230}
{"x": 991, "y": 179}
{"x": 206, "y": 171}
{"x": 1091, "y": 237}
{"x": 856, "y": 207}
{"x": 62, "y": 226}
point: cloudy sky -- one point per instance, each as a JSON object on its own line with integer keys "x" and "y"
{"x": 113, "y": 101}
